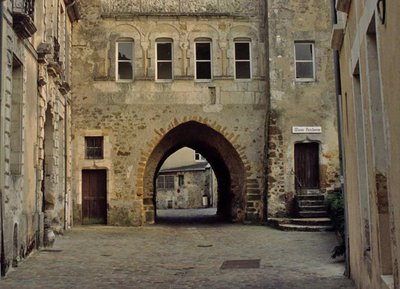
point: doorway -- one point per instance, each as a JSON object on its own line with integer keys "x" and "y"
{"x": 306, "y": 166}
{"x": 94, "y": 197}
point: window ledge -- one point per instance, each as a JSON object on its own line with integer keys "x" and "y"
{"x": 387, "y": 281}
{"x": 305, "y": 80}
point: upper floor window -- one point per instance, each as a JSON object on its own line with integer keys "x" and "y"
{"x": 242, "y": 60}
{"x": 304, "y": 58}
{"x": 164, "y": 59}
{"x": 203, "y": 70}
{"x": 166, "y": 182}
{"x": 124, "y": 60}
{"x": 94, "y": 147}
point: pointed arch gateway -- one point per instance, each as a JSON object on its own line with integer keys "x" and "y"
{"x": 219, "y": 152}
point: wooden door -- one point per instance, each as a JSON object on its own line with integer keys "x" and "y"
{"x": 94, "y": 197}
{"x": 306, "y": 165}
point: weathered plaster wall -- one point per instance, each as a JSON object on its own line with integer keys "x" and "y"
{"x": 190, "y": 194}
{"x": 295, "y": 103}
{"x": 370, "y": 71}
{"x": 30, "y": 93}
{"x": 134, "y": 117}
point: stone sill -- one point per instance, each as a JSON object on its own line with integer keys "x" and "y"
{"x": 387, "y": 281}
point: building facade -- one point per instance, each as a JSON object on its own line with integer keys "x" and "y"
{"x": 302, "y": 131}
{"x": 35, "y": 123}
{"x": 186, "y": 181}
{"x": 157, "y": 76}
{"x": 366, "y": 35}
{"x": 248, "y": 85}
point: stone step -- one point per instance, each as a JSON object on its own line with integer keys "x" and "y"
{"x": 310, "y": 192}
{"x": 313, "y": 214}
{"x": 304, "y": 228}
{"x": 310, "y": 197}
{"x": 312, "y": 208}
{"x": 311, "y": 221}
{"x": 311, "y": 203}
{"x": 275, "y": 222}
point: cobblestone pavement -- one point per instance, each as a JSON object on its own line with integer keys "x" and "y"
{"x": 179, "y": 256}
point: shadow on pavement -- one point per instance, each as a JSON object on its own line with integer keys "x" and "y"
{"x": 181, "y": 217}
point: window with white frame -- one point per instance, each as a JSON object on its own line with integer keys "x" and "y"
{"x": 124, "y": 65}
{"x": 203, "y": 56}
{"x": 166, "y": 182}
{"x": 242, "y": 60}
{"x": 164, "y": 59}
{"x": 304, "y": 57}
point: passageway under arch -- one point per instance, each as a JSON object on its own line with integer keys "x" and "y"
{"x": 219, "y": 152}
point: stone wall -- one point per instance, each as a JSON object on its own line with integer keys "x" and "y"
{"x": 309, "y": 103}
{"x": 189, "y": 195}
{"x": 183, "y": 7}
{"x": 134, "y": 117}
{"x": 369, "y": 73}
{"x": 33, "y": 87}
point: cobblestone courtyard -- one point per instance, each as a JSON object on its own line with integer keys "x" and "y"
{"x": 177, "y": 256}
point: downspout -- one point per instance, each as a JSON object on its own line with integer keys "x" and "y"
{"x": 2, "y": 253}
{"x": 268, "y": 110}
{"x": 211, "y": 191}
{"x": 37, "y": 174}
{"x": 66, "y": 203}
{"x": 342, "y": 159}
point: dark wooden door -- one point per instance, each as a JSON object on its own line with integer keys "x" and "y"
{"x": 94, "y": 197}
{"x": 306, "y": 165}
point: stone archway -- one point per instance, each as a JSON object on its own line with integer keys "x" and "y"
{"x": 226, "y": 162}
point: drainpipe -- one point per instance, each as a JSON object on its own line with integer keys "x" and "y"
{"x": 37, "y": 173}
{"x": 2, "y": 253}
{"x": 342, "y": 159}
{"x": 267, "y": 112}
{"x": 66, "y": 201}
{"x": 211, "y": 192}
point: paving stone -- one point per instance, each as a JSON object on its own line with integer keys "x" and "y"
{"x": 175, "y": 256}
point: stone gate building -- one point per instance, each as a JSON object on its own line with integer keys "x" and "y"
{"x": 157, "y": 76}
{"x": 152, "y": 77}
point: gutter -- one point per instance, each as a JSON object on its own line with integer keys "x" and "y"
{"x": 66, "y": 200}
{"x": 342, "y": 159}
{"x": 2, "y": 253}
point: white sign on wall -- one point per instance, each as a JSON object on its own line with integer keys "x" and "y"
{"x": 306, "y": 129}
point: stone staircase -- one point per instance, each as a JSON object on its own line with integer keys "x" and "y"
{"x": 312, "y": 215}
